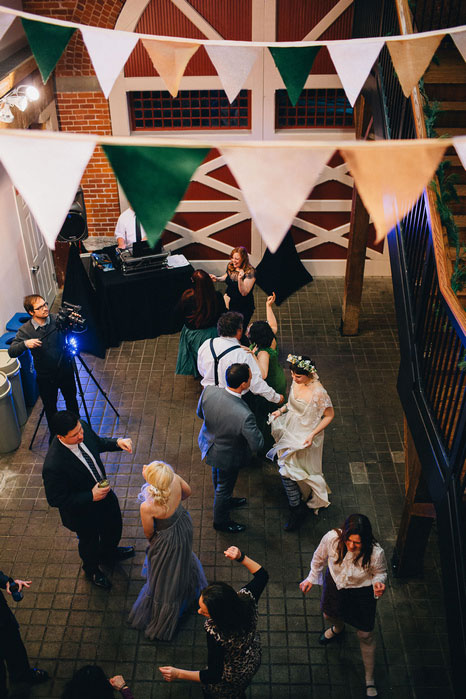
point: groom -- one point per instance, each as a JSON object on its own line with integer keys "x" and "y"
{"x": 227, "y": 439}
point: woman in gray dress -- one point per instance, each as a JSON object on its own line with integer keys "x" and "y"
{"x": 174, "y": 573}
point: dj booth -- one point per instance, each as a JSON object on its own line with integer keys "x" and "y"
{"x": 140, "y": 304}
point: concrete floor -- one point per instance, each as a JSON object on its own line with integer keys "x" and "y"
{"x": 67, "y": 623}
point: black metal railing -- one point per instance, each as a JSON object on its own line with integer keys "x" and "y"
{"x": 432, "y": 375}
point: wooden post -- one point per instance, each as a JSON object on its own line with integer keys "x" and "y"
{"x": 417, "y": 517}
{"x": 359, "y": 229}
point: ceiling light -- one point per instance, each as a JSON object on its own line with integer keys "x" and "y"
{"x": 6, "y": 115}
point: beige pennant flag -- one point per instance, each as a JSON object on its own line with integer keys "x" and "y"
{"x": 460, "y": 40}
{"x": 170, "y": 59}
{"x": 411, "y": 58}
{"x": 274, "y": 183}
{"x": 391, "y": 177}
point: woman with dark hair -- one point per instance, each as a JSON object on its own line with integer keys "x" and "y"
{"x": 240, "y": 278}
{"x": 353, "y": 581}
{"x": 200, "y": 307}
{"x": 90, "y": 682}
{"x": 233, "y": 645}
{"x": 298, "y": 430}
{"x": 262, "y": 335}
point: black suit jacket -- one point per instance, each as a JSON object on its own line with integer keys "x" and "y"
{"x": 68, "y": 483}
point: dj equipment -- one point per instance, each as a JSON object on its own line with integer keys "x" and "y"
{"x": 140, "y": 265}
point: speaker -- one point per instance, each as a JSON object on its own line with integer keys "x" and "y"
{"x": 75, "y": 224}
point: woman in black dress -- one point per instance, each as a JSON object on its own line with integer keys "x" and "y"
{"x": 200, "y": 307}
{"x": 233, "y": 645}
{"x": 240, "y": 278}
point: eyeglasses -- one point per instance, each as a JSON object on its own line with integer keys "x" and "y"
{"x": 39, "y": 308}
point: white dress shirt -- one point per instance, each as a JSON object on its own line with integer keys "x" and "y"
{"x": 206, "y": 366}
{"x": 126, "y": 228}
{"x": 76, "y": 451}
{"x": 347, "y": 573}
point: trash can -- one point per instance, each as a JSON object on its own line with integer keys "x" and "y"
{"x": 10, "y": 434}
{"x": 11, "y": 367}
{"x": 28, "y": 373}
{"x": 17, "y": 321}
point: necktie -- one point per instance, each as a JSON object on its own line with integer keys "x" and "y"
{"x": 90, "y": 463}
{"x": 138, "y": 231}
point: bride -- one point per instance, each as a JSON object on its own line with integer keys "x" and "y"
{"x": 298, "y": 430}
{"x": 174, "y": 574}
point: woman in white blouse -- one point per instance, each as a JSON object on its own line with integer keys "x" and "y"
{"x": 351, "y": 567}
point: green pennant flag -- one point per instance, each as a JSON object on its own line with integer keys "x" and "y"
{"x": 47, "y": 42}
{"x": 294, "y": 65}
{"x": 154, "y": 180}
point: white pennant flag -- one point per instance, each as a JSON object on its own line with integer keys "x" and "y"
{"x": 5, "y": 23}
{"x": 233, "y": 65}
{"x": 460, "y": 146}
{"x": 109, "y": 50}
{"x": 460, "y": 41}
{"x": 353, "y": 61}
{"x": 275, "y": 182}
{"x": 47, "y": 173}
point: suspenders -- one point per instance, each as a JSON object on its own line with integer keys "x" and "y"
{"x": 217, "y": 359}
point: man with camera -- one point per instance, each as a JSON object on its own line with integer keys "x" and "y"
{"x": 75, "y": 481}
{"x": 12, "y": 650}
{"x": 54, "y": 369}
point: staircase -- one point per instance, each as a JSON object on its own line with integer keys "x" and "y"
{"x": 445, "y": 82}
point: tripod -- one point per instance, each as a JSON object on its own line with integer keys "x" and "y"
{"x": 70, "y": 349}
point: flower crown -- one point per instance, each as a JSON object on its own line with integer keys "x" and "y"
{"x": 297, "y": 361}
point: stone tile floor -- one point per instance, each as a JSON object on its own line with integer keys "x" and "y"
{"x": 66, "y": 623}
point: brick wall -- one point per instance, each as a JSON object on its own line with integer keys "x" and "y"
{"x": 86, "y": 112}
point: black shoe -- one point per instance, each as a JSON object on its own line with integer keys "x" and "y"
{"x": 36, "y": 676}
{"x": 324, "y": 641}
{"x": 124, "y": 552}
{"x": 238, "y": 502}
{"x": 294, "y": 520}
{"x": 231, "y": 527}
{"x": 99, "y": 579}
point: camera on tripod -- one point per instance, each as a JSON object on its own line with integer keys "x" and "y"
{"x": 69, "y": 319}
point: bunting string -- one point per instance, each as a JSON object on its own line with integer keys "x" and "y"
{"x": 274, "y": 177}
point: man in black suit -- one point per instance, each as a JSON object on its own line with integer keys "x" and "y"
{"x": 12, "y": 650}
{"x": 75, "y": 482}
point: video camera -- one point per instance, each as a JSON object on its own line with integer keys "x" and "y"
{"x": 69, "y": 319}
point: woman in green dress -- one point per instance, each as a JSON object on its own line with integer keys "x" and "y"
{"x": 262, "y": 336}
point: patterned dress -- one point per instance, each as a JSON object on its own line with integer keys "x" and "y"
{"x": 234, "y": 659}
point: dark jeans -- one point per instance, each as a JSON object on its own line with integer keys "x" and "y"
{"x": 99, "y": 537}
{"x": 48, "y": 391}
{"x": 224, "y": 482}
{"x": 13, "y": 653}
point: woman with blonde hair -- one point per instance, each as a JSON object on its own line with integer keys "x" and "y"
{"x": 174, "y": 573}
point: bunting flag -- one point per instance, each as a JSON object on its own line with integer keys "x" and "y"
{"x": 460, "y": 146}
{"x": 170, "y": 59}
{"x": 411, "y": 58}
{"x": 5, "y": 23}
{"x": 154, "y": 180}
{"x": 460, "y": 41}
{"x": 233, "y": 66}
{"x": 274, "y": 183}
{"x": 47, "y": 42}
{"x": 391, "y": 177}
{"x": 109, "y": 50}
{"x": 353, "y": 63}
{"x": 47, "y": 174}
{"x": 294, "y": 65}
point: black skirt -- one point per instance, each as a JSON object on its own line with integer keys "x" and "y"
{"x": 355, "y": 605}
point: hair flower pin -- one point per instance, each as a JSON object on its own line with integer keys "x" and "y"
{"x": 297, "y": 361}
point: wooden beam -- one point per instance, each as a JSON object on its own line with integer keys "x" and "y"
{"x": 359, "y": 230}
{"x": 417, "y": 517}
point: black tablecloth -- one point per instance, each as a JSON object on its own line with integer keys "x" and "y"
{"x": 140, "y": 306}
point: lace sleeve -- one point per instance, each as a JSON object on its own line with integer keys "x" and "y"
{"x": 322, "y": 400}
